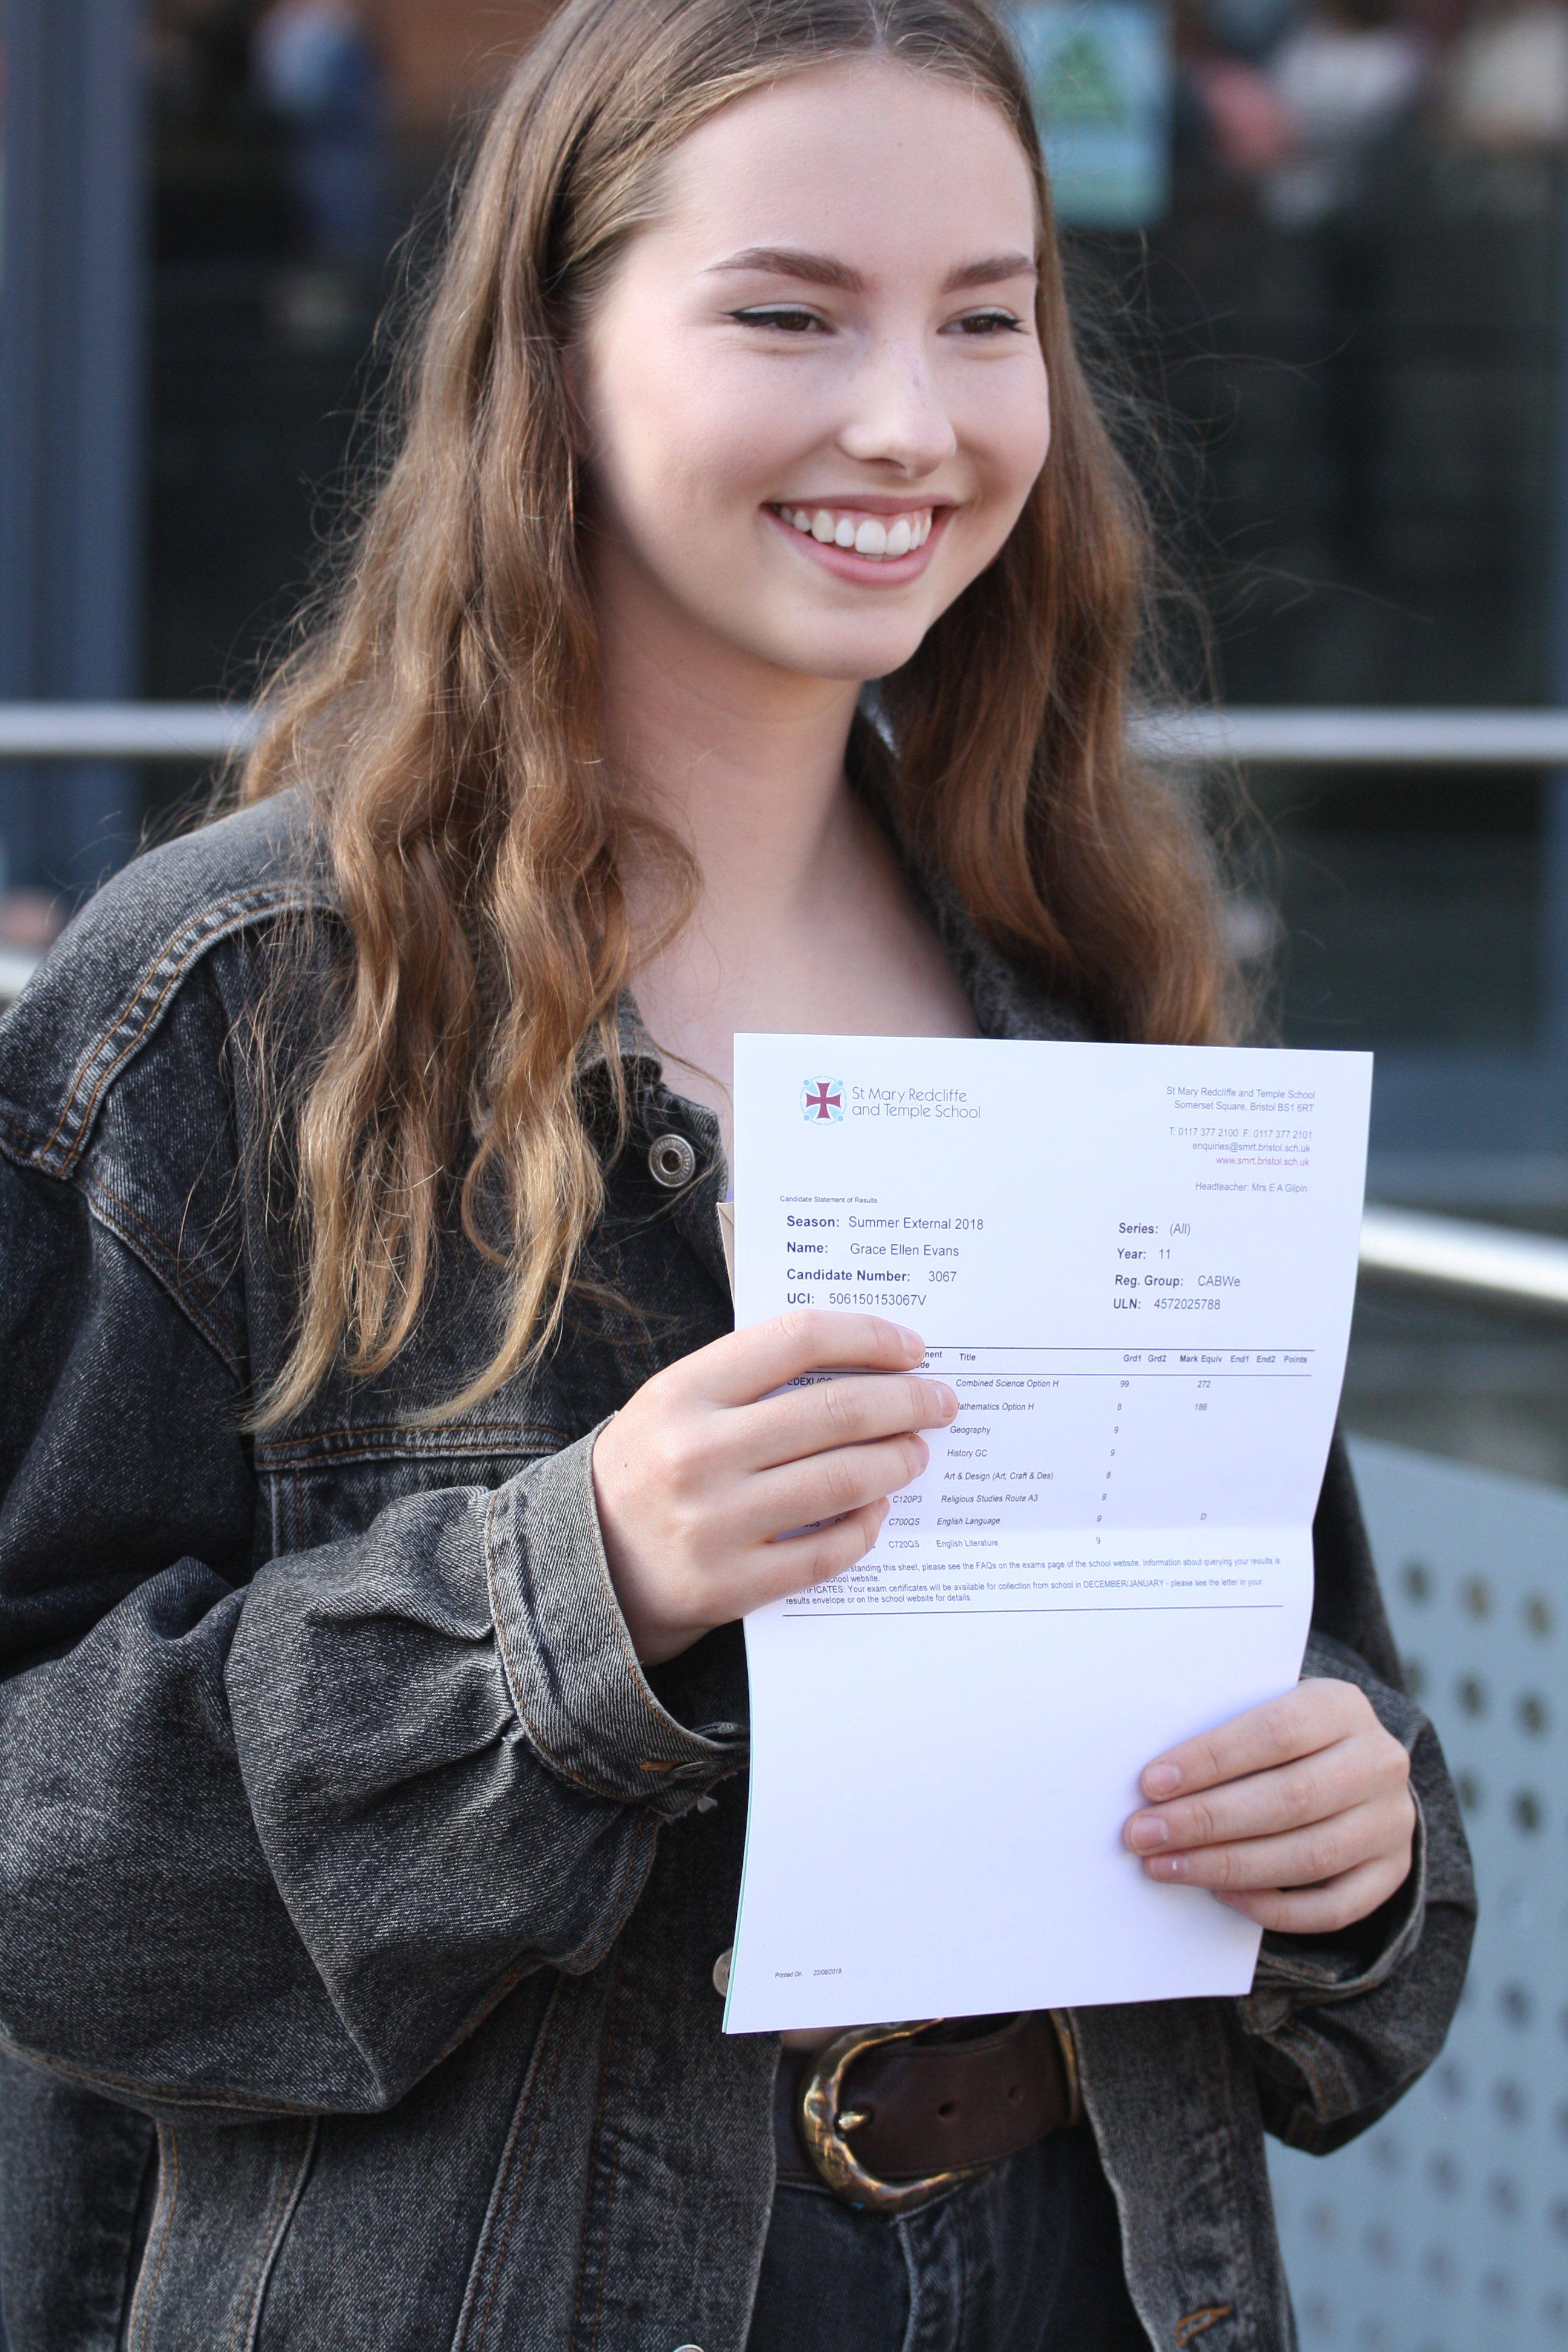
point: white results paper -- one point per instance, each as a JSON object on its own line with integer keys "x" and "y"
{"x": 1135, "y": 1265}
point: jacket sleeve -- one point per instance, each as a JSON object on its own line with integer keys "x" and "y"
{"x": 1339, "y": 2028}
{"x": 273, "y": 1838}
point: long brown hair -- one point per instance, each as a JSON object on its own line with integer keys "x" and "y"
{"x": 444, "y": 720}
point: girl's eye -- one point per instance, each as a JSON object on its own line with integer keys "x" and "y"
{"x": 989, "y": 322}
{"x": 788, "y": 317}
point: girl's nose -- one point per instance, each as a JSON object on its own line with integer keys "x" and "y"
{"x": 897, "y": 418}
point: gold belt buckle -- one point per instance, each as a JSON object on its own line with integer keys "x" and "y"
{"x": 823, "y": 2123}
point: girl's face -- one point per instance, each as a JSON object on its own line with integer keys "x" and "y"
{"x": 815, "y": 396}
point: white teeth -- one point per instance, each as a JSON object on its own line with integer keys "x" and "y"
{"x": 869, "y": 535}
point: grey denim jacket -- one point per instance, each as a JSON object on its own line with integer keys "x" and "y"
{"x": 359, "y": 1893}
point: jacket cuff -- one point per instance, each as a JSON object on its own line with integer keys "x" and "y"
{"x": 1293, "y": 1969}
{"x": 1296, "y": 1969}
{"x": 580, "y": 1693}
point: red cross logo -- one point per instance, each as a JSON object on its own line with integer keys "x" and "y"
{"x": 820, "y": 1100}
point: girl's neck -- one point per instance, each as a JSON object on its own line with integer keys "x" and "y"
{"x": 744, "y": 762}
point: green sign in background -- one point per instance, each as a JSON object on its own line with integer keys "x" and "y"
{"x": 1100, "y": 73}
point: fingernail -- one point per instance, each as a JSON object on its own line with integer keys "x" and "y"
{"x": 911, "y": 1339}
{"x": 1168, "y": 1866}
{"x": 1147, "y": 1831}
{"x": 1161, "y": 1780}
{"x": 946, "y": 1399}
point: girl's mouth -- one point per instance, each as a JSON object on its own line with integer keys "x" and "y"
{"x": 876, "y": 538}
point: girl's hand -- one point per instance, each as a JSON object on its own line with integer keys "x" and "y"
{"x": 1297, "y": 1813}
{"x": 695, "y": 1478}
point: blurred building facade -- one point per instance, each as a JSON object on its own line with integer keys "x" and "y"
{"x": 1321, "y": 242}
{"x": 1321, "y": 246}
{"x": 1357, "y": 308}
{"x": 290, "y": 145}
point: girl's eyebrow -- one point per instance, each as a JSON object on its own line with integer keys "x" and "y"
{"x": 822, "y": 269}
{"x": 783, "y": 261}
{"x": 994, "y": 270}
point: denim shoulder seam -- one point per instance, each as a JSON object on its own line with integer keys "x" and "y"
{"x": 58, "y": 1152}
{"x": 145, "y": 1242}
{"x": 153, "y": 1252}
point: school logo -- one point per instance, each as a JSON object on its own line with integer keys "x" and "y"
{"x": 822, "y": 1099}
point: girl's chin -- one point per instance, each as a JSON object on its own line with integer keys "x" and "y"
{"x": 839, "y": 665}
{"x": 834, "y": 650}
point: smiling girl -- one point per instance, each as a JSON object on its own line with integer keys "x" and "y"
{"x": 385, "y": 1480}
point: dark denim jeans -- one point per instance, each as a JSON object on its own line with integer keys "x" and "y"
{"x": 1027, "y": 2258}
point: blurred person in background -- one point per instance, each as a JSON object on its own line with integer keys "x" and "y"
{"x": 1346, "y": 78}
{"x": 1308, "y": 109}
{"x": 317, "y": 67}
{"x": 222, "y": 180}
{"x": 1225, "y": 48}
{"x": 1506, "y": 87}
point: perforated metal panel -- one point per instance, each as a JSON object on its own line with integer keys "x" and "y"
{"x": 1445, "y": 2229}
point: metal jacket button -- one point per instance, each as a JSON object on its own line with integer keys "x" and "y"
{"x": 671, "y": 1161}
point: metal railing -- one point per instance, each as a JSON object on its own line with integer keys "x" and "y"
{"x": 123, "y": 730}
{"x": 1356, "y": 739}
{"x": 1489, "y": 1265}
{"x": 1450, "y": 1256}
{"x": 1252, "y": 738}
{"x": 16, "y": 970}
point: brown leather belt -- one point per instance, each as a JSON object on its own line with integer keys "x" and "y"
{"x": 920, "y": 2117}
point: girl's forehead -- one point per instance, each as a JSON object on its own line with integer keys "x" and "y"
{"x": 847, "y": 151}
